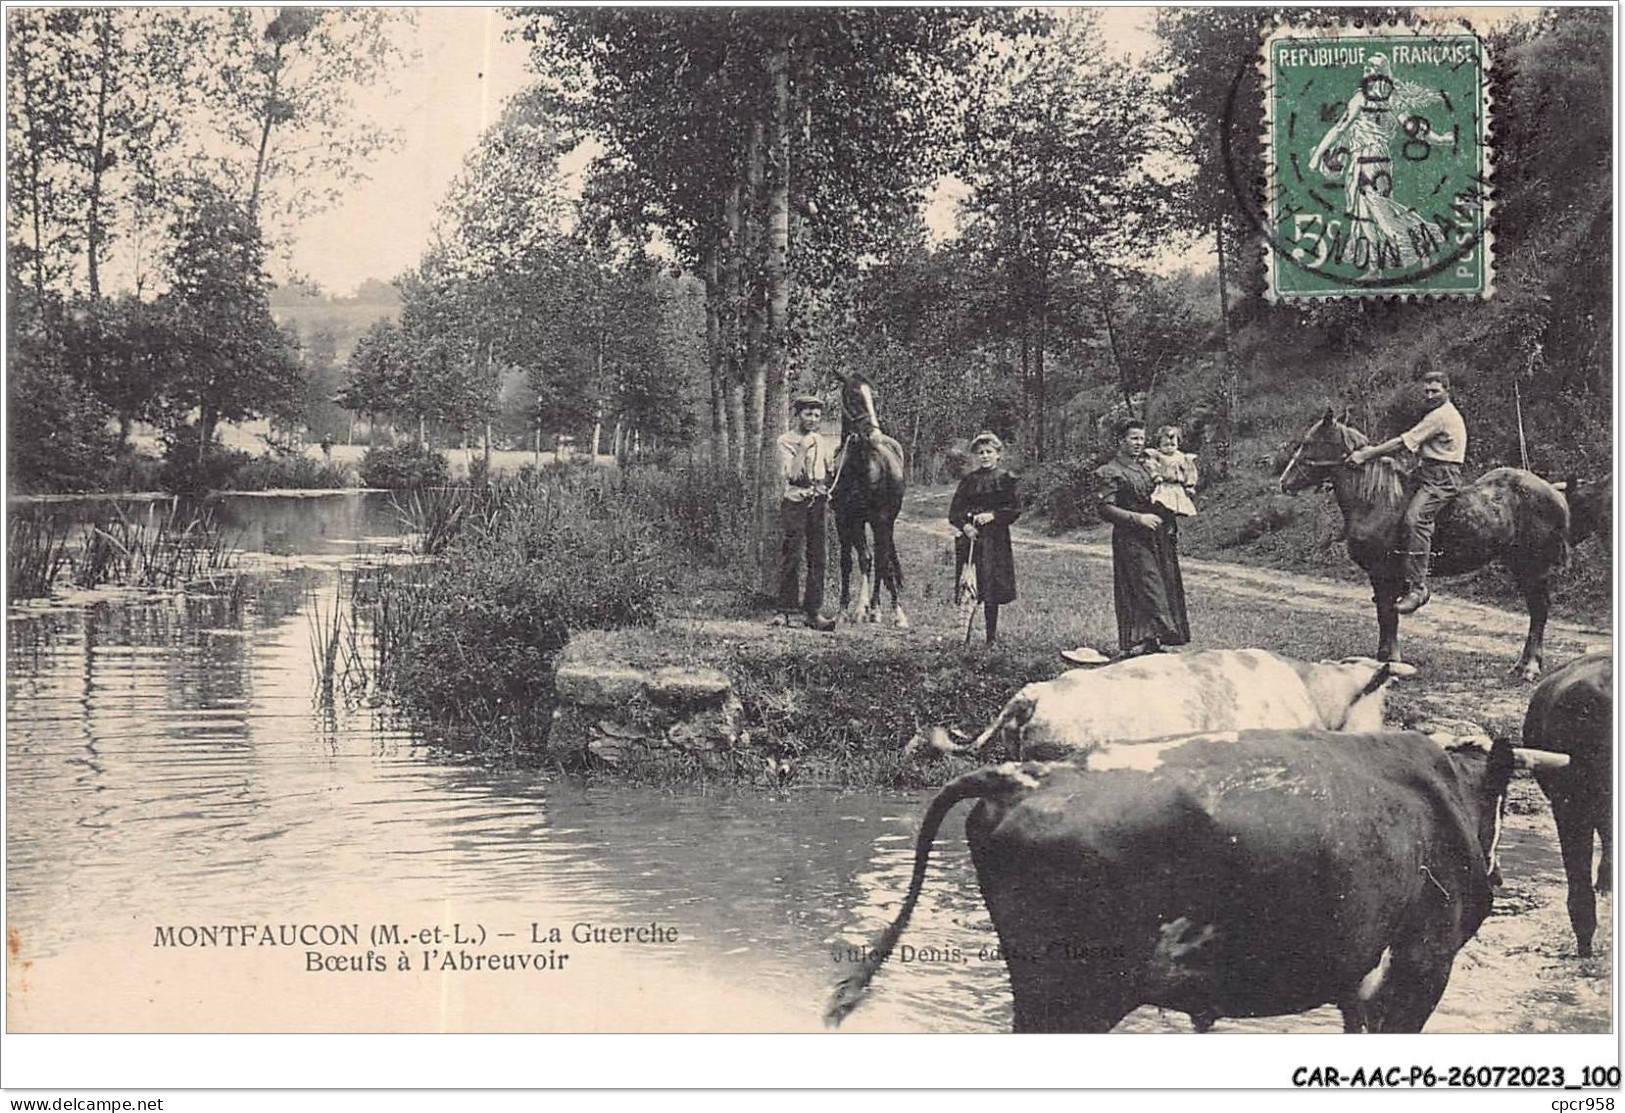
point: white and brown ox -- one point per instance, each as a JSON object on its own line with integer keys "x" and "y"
{"x": 1169, "y": 694}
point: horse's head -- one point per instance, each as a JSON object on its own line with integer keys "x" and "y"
{"x": 859, "y": 416}
{"x": 1324, "y": 447}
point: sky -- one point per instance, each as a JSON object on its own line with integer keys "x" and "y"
{"x": 440, "y": 98}
{"x": 461, "y": 70}
{"x": 460, "y": 73}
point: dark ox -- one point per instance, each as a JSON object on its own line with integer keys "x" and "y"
{"x": 1167, "y": 694}
{"x": 1257, "y": 874}
{"x": 1571, "y": 712}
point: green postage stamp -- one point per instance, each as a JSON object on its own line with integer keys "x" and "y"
{"x": 1377, "y": 163}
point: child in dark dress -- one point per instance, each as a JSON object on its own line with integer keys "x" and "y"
{"x": 983, "y": 508}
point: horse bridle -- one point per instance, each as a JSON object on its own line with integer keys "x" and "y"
{"x": 1298, "y": 460}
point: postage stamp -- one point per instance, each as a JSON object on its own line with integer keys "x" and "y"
{"x": 1377, "y": 162}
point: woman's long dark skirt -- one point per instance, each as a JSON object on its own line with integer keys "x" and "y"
{"x": 1147, "y": 588}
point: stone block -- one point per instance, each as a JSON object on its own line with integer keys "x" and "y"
{"x": 590, "y": 685}
{"x": 680, "y": 687}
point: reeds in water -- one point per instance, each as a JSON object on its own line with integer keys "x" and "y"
{"x": 339, "y": 662}
{"x": 437, "y": 516}
{"x": 36, "y": 553}
{"x": 356, "y": 644}
{"x": 167, "y": 550}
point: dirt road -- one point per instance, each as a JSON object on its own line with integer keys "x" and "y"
{"x": 1447, "y": 620}
{"x": 1472, "y": 627}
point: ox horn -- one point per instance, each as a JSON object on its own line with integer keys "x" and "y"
{"x": 1525, "y": 758}
{"x": 1396, "y": 669}
{"x": 1522, "y": 756}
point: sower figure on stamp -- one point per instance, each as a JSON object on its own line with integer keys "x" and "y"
{"x": 1148, "y": 591}
{"x": 1383, "y": 117}
{"x": 804, "y": 465}
{"x": 984, "y": 506}
{"x": 1440, "y": 442}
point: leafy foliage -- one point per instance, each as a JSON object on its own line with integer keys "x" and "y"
{"x": 195, "y": 465}
{"x": 222, "y": 353}
{"x": 404, "y": 466}
{"x": 57, "y": 436}
{"x": 491, "y": 620}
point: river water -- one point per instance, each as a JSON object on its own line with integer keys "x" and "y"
{"x": 170, "y": 771}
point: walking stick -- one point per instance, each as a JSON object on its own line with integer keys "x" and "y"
{"x": 1517, "y": 402}
{"x": 1523, "y": 448}
{"x": 970, "y": 589}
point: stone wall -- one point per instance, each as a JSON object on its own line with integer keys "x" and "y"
{"x": 615, "y": 713}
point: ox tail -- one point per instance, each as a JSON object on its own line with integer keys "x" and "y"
{"x": 849, "y": 990}
{"x": 1018, "y": 711}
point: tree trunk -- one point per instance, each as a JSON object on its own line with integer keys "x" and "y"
{"x": 715, "y": 359}
{"x": 914, "y": 444}
{"x": 1221, "y": 453}
{"x": 98, "y": 159}
{"x": 733, "y": 314}
{"x": 36, "y": 214}
{"x": 1107, "y": 296}
{"x": 490, "y": 372}
{"x": 265, "y": 133}
{"x": 737, "y": 446}
{"x": 1040, "y": 389}
{"x": 208, "y": 418}
{"x": 776, "y": 346}
{"x": 755, "y": 294}
{"x": 1027, "y": 376}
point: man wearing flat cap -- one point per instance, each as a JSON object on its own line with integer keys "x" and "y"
{"x": 804, "y": 465}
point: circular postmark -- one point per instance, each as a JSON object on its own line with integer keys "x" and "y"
{"x": 1376, "y": 169}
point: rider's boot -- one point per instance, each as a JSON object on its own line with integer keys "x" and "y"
{"x": 1414, "y": 599}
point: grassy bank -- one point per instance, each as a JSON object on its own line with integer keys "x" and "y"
{"x": 655, "y": 559}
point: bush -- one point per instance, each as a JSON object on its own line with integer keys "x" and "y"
{"x": 489, "y": 621}
{"x": 134, "y": 470}
{"x": 404, "y": 466}
{"x": 702, "y": 512}
{"x": 188, "y": 471}
{"x": 284, "y": 470}
{"x": 1062, "y": 491}
{"x": 958, "y": 462}
{"x": 57, "y": 434}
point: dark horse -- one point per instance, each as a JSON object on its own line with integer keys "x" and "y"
{"x": 868, "y": 492}
{"x": 1508, "y": 514}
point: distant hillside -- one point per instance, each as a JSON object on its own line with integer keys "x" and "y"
{"x": 345, "y": 319}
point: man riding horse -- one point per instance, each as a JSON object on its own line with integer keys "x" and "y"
{"x": 1440, "y": 440}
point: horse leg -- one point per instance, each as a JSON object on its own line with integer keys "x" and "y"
{"x": 1384, "y": 593}
{"x": 843, "y": 535}
{"x": 890, "y": 570}
{"x": 860, "y": 605}
{"x": 1600, "y": 814}
{"x": 1537, "y": 598}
